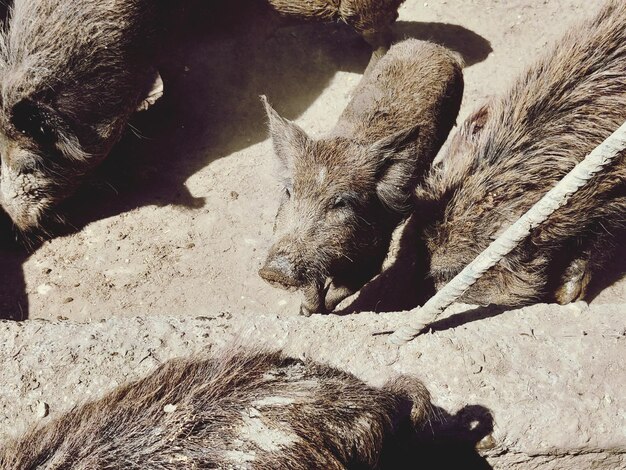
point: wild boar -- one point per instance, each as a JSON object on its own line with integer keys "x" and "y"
{"x": 372, "y": 19}
{"x": 515, "y": 148}
{"x": 245, "y": 409}
{"x": 71, "y": 74}
{"x": 344, "y": 194}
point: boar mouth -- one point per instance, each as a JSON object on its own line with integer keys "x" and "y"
{"x": 25, "y": 198}
{"x": 277, "y": 279}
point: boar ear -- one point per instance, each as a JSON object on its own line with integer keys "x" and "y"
{"x": 288, "y": 138}
{"x": 476, "y": 122}
{"x": 397, "y": 166}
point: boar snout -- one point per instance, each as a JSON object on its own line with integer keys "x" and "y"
{"x": 281, "y": 271}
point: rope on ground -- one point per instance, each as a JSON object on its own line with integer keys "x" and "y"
{"x": 601, "y": 156}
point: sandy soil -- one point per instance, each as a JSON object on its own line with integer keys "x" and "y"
{"x": 526, "y": 392}
{"x": 178, "y": 221}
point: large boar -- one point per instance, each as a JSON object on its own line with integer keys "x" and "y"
{"x": 345, "y": 193}
{"x": 243, "y": 410}
{"x": 71, "y": 74}
{"x": 518, "y": 146}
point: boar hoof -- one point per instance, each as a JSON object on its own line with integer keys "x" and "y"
{"x": 575, "y": 282}
{"x": 313, "y": 300}
{"x": 304, "y": 311}
{"x": 154, "y": 95}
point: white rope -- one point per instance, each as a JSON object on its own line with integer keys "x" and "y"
{"x": 601, "y": 156}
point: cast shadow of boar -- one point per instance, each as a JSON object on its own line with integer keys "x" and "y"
{"x": 210, "y": 109}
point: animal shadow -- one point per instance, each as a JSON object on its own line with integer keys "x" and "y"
{"x": 472, "y": 47}
{"x": 447, "y": 441}
{"x": 211, "y": 109}
{"x": 404, "y": 284}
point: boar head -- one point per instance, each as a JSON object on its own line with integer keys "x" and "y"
{"x": 340, "y": 203}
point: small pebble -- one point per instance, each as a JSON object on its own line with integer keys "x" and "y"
{"x": 42, "y": 409}
{"x": 486, "y": 443}
{"x": 44, "y": 289}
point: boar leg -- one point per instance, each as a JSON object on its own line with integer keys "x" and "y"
{"x": 154, "y": 94}
{"x": 313, "y": 300}
{"x": 320, "y": 299}
{"x": 574, "y": 283}
{"x": 345, "y": 284}
{"x": 336, "y": 294}
{"x": 380, "y": 42}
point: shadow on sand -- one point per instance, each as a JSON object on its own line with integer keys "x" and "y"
{"x": 446, "y": 442}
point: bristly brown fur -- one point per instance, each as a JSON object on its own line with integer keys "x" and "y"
{"x": 71, "y": 74}
{"x": 370, "y": 18}
{"x": 519, "y": 145}
{"x": 345, "y": 193}
{"x": 252, "y": 410}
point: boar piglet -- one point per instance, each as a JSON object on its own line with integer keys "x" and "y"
{"x": 344, "y": 194}
{"x": 519, "y": 145}
{"x": 372, "y": 19}
{"x": 239, "y": 410}
{"x": 71, "y": 74}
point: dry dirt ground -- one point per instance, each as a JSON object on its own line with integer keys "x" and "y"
{"x": 176, "y": 224}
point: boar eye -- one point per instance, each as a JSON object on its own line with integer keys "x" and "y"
{"x": 287, "y": 192}
{"x": 31, "y": 121}
{"x": 339, "y": 203}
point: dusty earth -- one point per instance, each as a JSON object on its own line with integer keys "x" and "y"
{"x": 176, "y": 224}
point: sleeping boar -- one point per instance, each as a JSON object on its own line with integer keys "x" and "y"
{"x": 515, "y": 148}
{"x": 244, "y": 410}
{"x": 344, "y": 194}
{"x": 71, "y": 74}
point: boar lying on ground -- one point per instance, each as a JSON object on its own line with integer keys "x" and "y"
{"x": 243, "y": 410}
{"x": 345, "y": 193}
{"x": 71, "y": 74}
{"x": 518, "y": 146}
{"x": 372, "y": 19}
